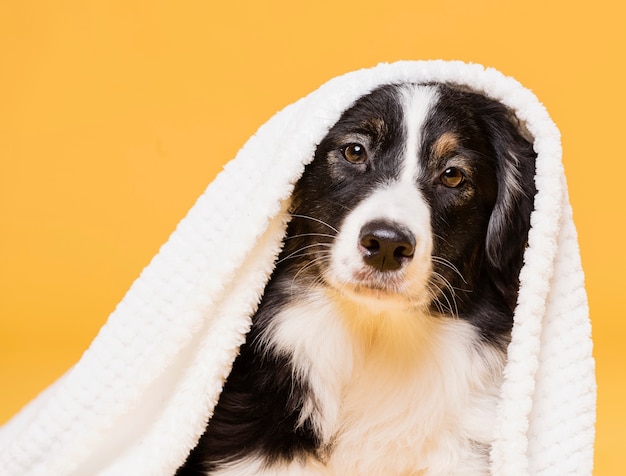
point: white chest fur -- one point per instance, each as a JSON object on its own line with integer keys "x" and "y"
{"x": 395, "y": 394}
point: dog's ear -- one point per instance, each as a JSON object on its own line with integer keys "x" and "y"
{"x": 507, "y": 233}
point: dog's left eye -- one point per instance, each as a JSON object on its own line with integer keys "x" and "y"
{"x": 452, "y": 177}
{"x": 354, "y": 153}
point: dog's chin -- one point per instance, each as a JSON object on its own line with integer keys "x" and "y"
{"x": 380, "y": 297}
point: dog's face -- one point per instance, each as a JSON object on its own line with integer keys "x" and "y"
{"x": 419, "y": 197}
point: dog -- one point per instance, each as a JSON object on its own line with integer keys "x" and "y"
{"x": 379, "y": 344}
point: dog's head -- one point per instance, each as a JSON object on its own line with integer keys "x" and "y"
{"x": 420, "y": 195}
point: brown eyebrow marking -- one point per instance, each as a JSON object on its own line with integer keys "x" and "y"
{"x": 445, "y": 143}
{"x": 376, "y": 125}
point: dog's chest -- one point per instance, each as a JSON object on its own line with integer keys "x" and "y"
{"x": 413, "y": 399}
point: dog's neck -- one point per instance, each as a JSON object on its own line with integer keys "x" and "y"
{"x": 365, "y": 365}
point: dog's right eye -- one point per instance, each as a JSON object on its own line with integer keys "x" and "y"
{"x": 354, "y": 153}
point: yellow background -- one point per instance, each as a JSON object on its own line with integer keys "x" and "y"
{"x": 114, "y": 116}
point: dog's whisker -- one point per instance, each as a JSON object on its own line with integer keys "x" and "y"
{"x": 434, "y": 297}
{"x": 298, "y": 253}
{"x": 322, "y": 222}
{"x": 449, "y": 264}
{"x": 439, "y": 237}
{"x": 312, "y": 262}
{"x": 302, "y": 235}
{"x": 451, "y": 300}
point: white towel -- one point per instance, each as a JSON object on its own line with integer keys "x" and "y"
{"x": 141, "y": 395}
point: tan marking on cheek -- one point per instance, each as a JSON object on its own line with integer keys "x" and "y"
{"x": 445, "y": 143}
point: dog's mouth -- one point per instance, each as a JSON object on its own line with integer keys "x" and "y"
{"x": 389, "y": 290}
{"x": 375, "y": 290}
{"x": 367, "y": 280}
{"x": 378, "y": 295}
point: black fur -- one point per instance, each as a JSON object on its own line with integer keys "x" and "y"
{"x": 490, "y": 262}
{"x": 481, "y": 230}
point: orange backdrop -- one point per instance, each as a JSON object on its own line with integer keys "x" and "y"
{"x": 115, "y": 115}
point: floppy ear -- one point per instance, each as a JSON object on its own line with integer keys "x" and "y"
{"x": 507, "y": 232}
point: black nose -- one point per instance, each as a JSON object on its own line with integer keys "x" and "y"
{"x": 386, "y": 245}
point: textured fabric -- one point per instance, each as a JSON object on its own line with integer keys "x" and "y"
{"x": 140, "y": 397}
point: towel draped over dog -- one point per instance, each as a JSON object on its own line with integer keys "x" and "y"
{"x": 141, "y": 395}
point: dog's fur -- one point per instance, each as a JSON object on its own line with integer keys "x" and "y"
{"x": 379, "y": 344}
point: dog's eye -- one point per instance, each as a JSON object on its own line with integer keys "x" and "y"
{"x": 452, "y": 177}
{"x": 354, "y": 153}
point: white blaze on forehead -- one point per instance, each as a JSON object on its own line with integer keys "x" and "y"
{"x": 417, "y": 102}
